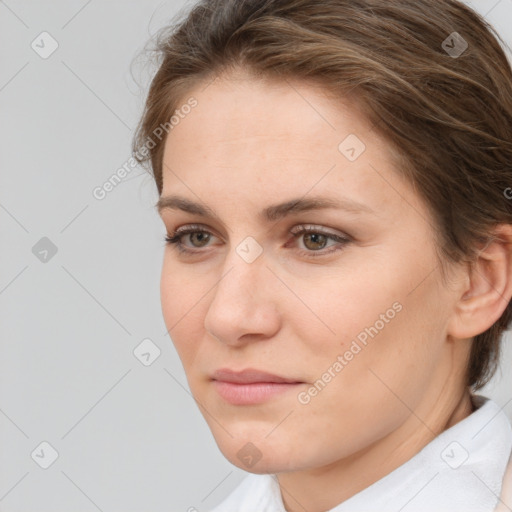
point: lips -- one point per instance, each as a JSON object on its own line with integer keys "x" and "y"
{"x": 250, "y": 376}
{"x": 251, "y": 387}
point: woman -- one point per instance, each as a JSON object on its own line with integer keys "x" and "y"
{"x": 333, "y": 181}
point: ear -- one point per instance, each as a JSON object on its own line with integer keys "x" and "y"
{"x": 488, "y": 288}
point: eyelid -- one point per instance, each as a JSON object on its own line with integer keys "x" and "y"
{"x": 341, "y": 239}
{"x": 188, "y": 227}
{"x": 301, "y": 228}
{"x": 193, "y": 228}
{"x": 297, "y": 229}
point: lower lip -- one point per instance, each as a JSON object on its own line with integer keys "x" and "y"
{"x": 254, "y": 393}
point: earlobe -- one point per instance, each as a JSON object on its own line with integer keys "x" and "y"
{"x": 490, "y": 287}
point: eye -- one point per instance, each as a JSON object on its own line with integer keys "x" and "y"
{"x": 198, "y": 236}
{"x": 315, "y": 239}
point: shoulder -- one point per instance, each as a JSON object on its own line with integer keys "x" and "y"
{"x": 505, "y": 502}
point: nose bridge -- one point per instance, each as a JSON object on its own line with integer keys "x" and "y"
{"x": 241, "y": 302}
{"x": 241, "y": 277}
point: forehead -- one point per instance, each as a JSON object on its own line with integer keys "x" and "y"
{"x": 259, "y": 139}
{"x": 240, "y": 110}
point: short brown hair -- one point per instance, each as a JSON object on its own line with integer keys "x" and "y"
{"x": 445, "y": 109}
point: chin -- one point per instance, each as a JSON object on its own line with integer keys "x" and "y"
{"x": 274, "y": 464}
{"x": 258, "y": 455}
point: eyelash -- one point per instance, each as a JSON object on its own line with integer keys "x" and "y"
{"x": 175, "y": 239}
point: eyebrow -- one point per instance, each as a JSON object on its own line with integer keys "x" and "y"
{"x": 271, "y": 213}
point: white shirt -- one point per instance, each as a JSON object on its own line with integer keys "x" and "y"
{"x": 461, "y": 470}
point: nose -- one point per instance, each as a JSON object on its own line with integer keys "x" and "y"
{"x": 244, "y": 308}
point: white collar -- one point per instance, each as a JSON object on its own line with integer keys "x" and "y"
{"x": 461, "y": 470}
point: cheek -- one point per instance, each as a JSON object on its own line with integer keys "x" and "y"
{"x": 340, "y": 305}
{"x": 181, "y": 309}
{"x": 383, "y": 320}
{"x": 389, "y": 356}
{"x": 181, "y": 288}
{"x": 169, "y": 287}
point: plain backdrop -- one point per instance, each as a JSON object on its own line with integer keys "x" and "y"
{"x": 79, "y": 279}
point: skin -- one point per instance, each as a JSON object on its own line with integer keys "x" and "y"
{"x": 247, "y": 145}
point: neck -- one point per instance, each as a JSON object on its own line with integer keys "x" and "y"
{"x": 324, "y": 488}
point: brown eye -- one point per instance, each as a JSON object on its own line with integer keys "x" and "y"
{"x": 315, "y": 241}
{"x": 201, "y": 237}
{"x": 190, "y": 239}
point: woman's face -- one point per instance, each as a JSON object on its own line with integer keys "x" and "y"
{"x": 344, "y": 302}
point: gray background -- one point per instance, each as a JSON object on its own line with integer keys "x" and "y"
{"x": 129, "y": 437}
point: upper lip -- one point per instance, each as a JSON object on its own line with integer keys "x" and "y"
{"x": 248, "y": 376}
